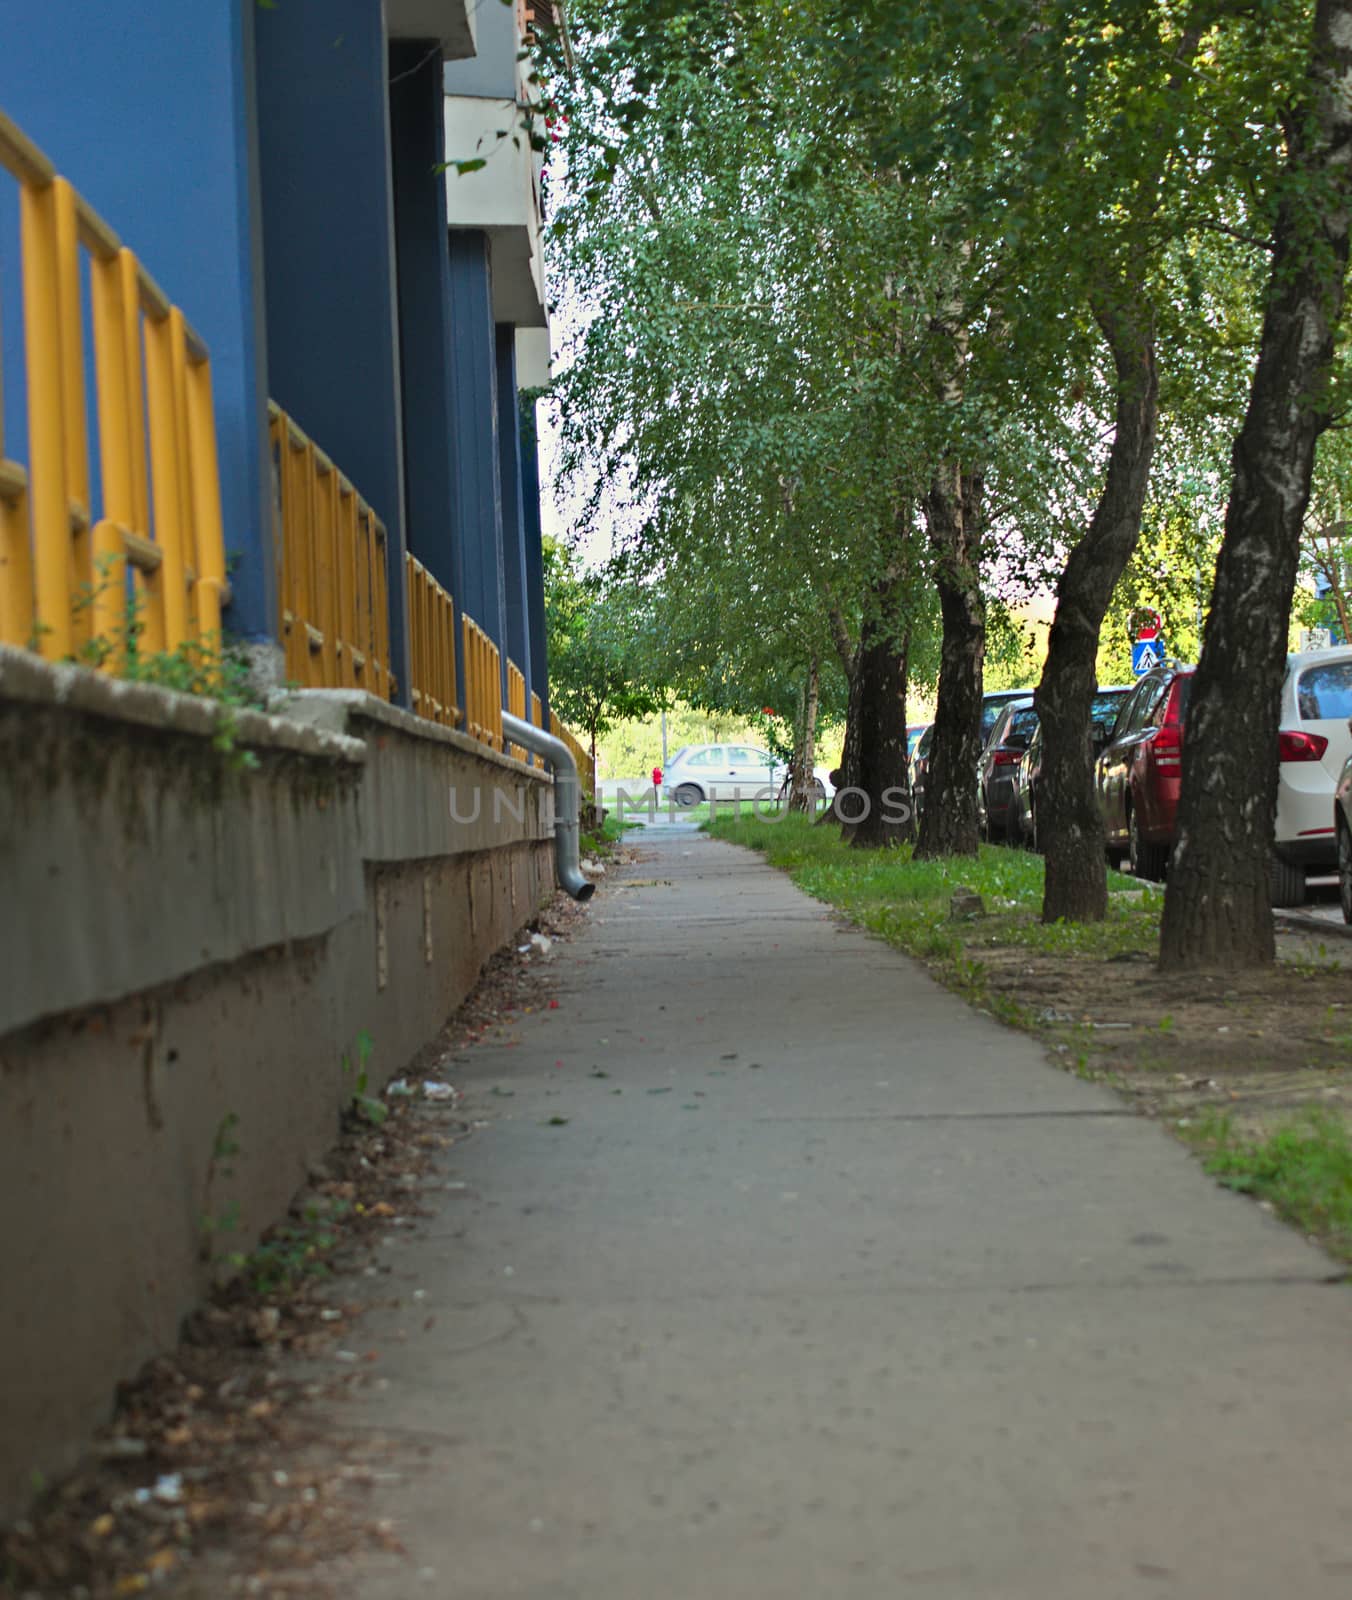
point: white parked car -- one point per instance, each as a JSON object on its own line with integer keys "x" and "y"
{"x": 700, "y": 772}
{"x": 1314, "y": 743}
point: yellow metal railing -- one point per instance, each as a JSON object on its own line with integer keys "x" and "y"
{"x": 63, "y": 570}
{"x": 333, "y": 590}
{"x": 431, "y": 642}
{"x": 537, "y": 717}
{"x": 483, "y": 685}
{"x": 516, "y": 703}
{"x": 585, "y": 765}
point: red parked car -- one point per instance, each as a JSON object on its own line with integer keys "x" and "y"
{"x": 1140, "y": 771}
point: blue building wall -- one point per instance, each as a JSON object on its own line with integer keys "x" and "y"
{"x": 516, "y": 618}
{"x": 147, "y": 109}
{"x": 418, "y": 135}
{"x": 535, "y": 577}
{"x": 328, "y": 219}
{"x": 478, "y": 498}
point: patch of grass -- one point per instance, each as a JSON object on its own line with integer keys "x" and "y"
{"x": 289, "y": 1252}
{"x": 602, "y": 841}
{"x": 1303, "y": 1169}
{"x": 907, "y": 901}
{"x": 370, "y": 1108}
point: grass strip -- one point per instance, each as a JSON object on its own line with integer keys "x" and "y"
{"x": 1302, "y": 1169}
{"x": 908, "y": 903}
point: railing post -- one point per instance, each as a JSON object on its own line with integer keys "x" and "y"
{"x": 75, "y": 446}
{"x": 167, "y": 630}
{"x": 46, "y": 423}
{"x": 209, "y": 559}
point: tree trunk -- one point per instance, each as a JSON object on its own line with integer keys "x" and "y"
{"x": 1070, "y": 827}
{"x": 877, "y": 810}
{"x": 953, "y": 511}
{"x": 847, "y": 775}
{"x": 1216, "y": 911}
{"x": 805, "y": 746}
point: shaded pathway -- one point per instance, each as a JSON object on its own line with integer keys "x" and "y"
{"x": 828, "y": 1286}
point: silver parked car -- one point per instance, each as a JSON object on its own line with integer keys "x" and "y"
{"x": 699, "y": 772}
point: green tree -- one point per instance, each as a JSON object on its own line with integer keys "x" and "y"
{"x": 597, "y": 661}
{"x": 1217, "y": 901}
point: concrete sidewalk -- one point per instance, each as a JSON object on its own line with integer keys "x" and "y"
{"x": 829, "y": 1288}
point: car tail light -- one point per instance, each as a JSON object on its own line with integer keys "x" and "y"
{"x": 1301, "y": 746}
{"x": 1166, "y": 748}
{"x": 1002, "y": 757}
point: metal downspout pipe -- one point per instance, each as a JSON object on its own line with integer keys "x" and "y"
{"x": 567, "y": 792}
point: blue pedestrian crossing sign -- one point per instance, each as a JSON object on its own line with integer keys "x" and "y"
{"x": 1146, "y": 654}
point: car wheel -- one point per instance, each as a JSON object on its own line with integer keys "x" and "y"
{"x": 688, "y": 794}
{"x": 1345, "y": 870}
{"x": 1147, "y": 860}
{"x": 1286, "y": 883}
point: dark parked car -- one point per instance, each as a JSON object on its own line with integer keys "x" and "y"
{"x": 1010, "y": 733}
{"x": 1023, "y": 801}
{"x": 994, "y": 703}
{"x": 1140, "y": 771}
{"x": 991, "y": 706}
{"x": 1028, "y": 775}
{"x": 1342, "y": 828}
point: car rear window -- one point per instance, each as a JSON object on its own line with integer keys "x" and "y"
{"x": 1325, "y": 692}
{"x": 1106, "y": 706}
{"x": 1021, "y": 724}
{"x": 990, "y": 712}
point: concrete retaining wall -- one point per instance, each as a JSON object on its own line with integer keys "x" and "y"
{"x": 195, "y": 927}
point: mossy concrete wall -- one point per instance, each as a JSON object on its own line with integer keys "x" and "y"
{"x": 188, "y": 936}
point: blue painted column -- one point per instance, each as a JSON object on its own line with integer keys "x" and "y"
{"x": 535, "y": 575}
{"x": 516, "y": 618}
{"x": 478, "y": 498}
{"x": 328, "y": 218}
{"x": 147, "y": 107}
{"x": 418, "y": 138}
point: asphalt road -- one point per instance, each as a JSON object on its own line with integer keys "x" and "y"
{"x": 778, "y": 1273}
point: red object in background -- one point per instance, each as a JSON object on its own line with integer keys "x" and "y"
{"x": 1142, "y": 773}
{"x": 657, "y": 777}
{"x": 1146, "y": 624}
{"x": 1300, "y": 746}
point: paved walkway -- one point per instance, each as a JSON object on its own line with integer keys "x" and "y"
{"x": 832, "y": 1289}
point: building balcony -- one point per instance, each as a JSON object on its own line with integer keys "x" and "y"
{"x": 449, "y": 22}
{"x": 502, "y": 198}
{"x": 488, "y": 101}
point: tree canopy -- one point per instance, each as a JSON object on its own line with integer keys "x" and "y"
{"x": 886, "y": 318}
